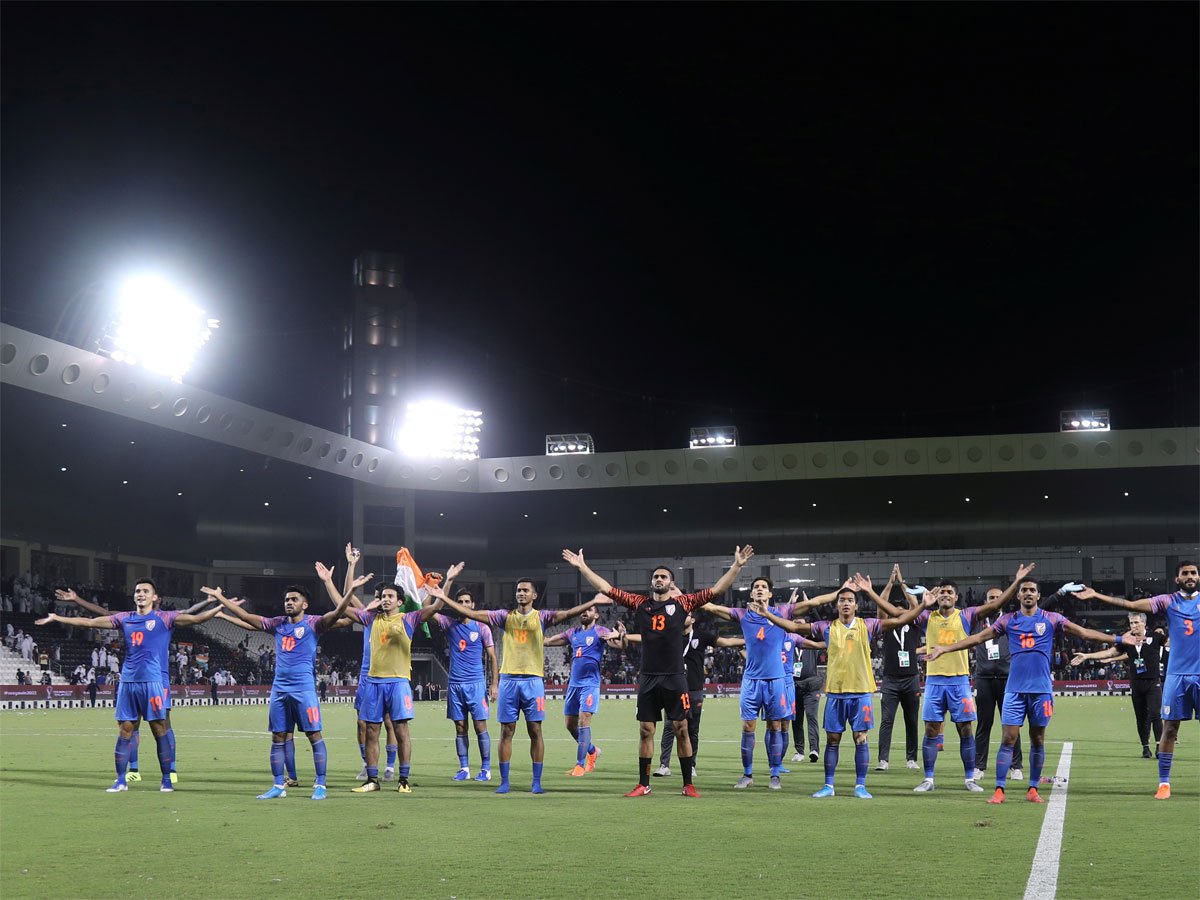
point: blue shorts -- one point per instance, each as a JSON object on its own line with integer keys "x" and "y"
{"x": 521, "y": 694}
{"x": 582, "y": 698}
{"x": 358, "y": 691}
{"x": 141, "y": 700}
{"x": 294, "y": 709}
{"x": 1016, "y": 706}
{"x": 386, "y": 698}
{"x": 1181, "y": 697}
{"x": 468, "y": 697}
{"x": 942, "y": 698}
{"x": 167, "y": 695}
{"x": 765, "y": 695}
{"x": 854, "y": 709}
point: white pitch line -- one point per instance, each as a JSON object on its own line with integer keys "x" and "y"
{"x": 1043, "y": 876}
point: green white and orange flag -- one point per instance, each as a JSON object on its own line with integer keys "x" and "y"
{"x": 413, "y": 583}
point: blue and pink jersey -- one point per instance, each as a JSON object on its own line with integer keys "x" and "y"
{"x": 467, "y": 640}
{"x": 147, "y": 641}
{"x": 1031, "y": 645}
{"x": 1183, "y": 621}
{"x": 295, "y": 651}
{"x": 587, "y": 652}
{"x": 764, "y": 641}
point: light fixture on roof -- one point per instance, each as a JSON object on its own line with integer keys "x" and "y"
{"x": 713, "y": 436}
{"x": 440, "y": 431}
{"x": 1084, "y": 420}
{"x": 562, "y": 444}
{"x": 155, "y": 325}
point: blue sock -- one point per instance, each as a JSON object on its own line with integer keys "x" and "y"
{"x": 362, "y": 751}
{"x": 786, "y": 734}
{"x": 929, "y": 755}
{"x": 1003, "y": 761}
{"x": 164, "y": 755}
{"x": 831, "y": 761}
{"x": 133, "y": 750}
{"x": 1037, "y": 759}
{"x": 373, "y": 772}
{"x": 405, "y": 768}
{"x": 277, "y": 752}
{"x": 121, "y": 756}
{"x": 748, "y": 752}
{"x": 966, "y": 752}
{"x": 171, "y": 744}
{"x": 537, "y": 773}
{"x": 391, "y": 755}
{"x": 941, "y": 741}
{"x": 504, "y": 773}
{"x": 591, "y": 747}
{"x": 1164, "y": 767}
{"x": 774, "y": 750}
{"x": 460, "y": 747}
{"x": 320, "y": 759}
{"x": 585, "y": 740}
{"x": 862, "y": 759}
{"x": 485, "y": 749}
{"x": 289, "y": 758}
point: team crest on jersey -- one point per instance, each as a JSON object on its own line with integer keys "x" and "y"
{"x": 1040, "y": 628}
{"x": 670, "y": 609}
{"x": 589, "y": 641}
{"x": 300, "y": 632}
{"x": 150, "y": 624}
{"x": 474, "y": 636}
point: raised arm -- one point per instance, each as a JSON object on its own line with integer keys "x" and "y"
{"x": 577, "y": 560}
{"x": 721, "y": 612}
{"x": 883, "y": 601}
{"x": 978, "y": 637}
{"x": 69, "y": 596}
{"x": 1089, "y": 634}
{"x": 239, "y": 613}
{"x": 556, "y": 640}
{"x": 910, "y": 615}
{"x": 478, "y": 615}
{"x": 1100, "y": 656}
{"x": 330, "y": 618}
{"x": 785, "y": 624}
{"x": 1135, "y": 605}
{"x": 221, "y": 614}
{"x": 189, "y": 618}
{"x": 76, "y": 621}
{"x": 564, "y": 614}
{"x": 859, "y": 582}
{"x": 741, "y": 556}
{"x": 729, "y": 642}
{"x": 1023, "y": 572}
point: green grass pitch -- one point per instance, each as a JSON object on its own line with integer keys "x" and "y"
{"x": 62, "y": 836}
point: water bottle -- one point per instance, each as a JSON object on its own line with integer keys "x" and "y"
{"x": 1053, "y": 779}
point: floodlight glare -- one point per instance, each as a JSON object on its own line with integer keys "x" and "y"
{"x": 715, "y": 436}
{"x": 1084, "y": 420}
{"x": 562, "y": 444}
{"x": 440, "y": 431}
{"x": 156, "y": 326}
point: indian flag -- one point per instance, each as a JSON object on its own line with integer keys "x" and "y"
{"x": 413, "y": 583}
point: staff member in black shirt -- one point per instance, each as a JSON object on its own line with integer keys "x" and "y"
{"x": 1143, "y": 654}
{"x": 809, "y": 683}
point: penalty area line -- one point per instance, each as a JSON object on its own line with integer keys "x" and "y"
{"x": 1043, "y": 875}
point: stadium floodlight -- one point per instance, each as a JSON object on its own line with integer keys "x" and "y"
{"x": 714, "y": 436}
{"x": 440, "y": 430}
{"x": 1084, "y": 420}
{"x": 156, "y": 325}
{"x": 562, "y": 444}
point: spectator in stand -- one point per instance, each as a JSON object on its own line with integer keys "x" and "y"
{"x": 91, "y": 685}
{"x": 95, "y": 657}
{"x": 20, "y": 677}
{"x": 46, "y": 679}
{"x": 103, "y": 664}
{"x": 10, "y": 636}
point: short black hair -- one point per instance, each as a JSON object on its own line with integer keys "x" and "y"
{"x": 153, "y": 586}
{"x": 770, "y": 583}
{"x": 528, "y": 581}
{"x": 948, "y": 582}
{"x": 298, "y": 589}
{"x": 1183, "y": 563}
{"x": 846, "y": 590}
{"x": 467, "y": 592}
{"x": 1037, "y": 584}
{"x": 668, "y": 569}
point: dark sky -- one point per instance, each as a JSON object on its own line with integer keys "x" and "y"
{"x": 813, "y": 221}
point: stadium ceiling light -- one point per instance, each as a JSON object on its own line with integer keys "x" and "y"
{"x": 714, "y": 436}
{"x": 1084, "y": 420}
{"x": 440, "y": 430}
{"x": 155, "y": 325}
{"x": 563, "y": 444}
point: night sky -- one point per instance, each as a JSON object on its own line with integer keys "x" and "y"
{"x": 814, "y": 221}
